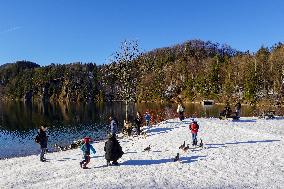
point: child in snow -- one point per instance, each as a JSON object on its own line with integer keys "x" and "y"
{"x": 193, "y": 126}
{"x": 86, "y": 148}
{"x": 147, "y": 118}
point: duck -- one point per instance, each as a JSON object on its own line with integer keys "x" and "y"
{"x": 176, "y": 158}
{"x": 182, "y": 146}
{"x": 201, "y": 143}
{"x": 185, "y": 149}
{"x": 148, "y": 148}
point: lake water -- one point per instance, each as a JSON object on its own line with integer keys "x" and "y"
{"x": 68, "y": 122}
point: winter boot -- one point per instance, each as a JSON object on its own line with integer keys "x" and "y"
{"x": 108, "y": 163}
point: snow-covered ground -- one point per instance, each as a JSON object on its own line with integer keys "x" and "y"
{"x": 248, "y": 153}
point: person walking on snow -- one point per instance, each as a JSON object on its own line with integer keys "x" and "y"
{"x": 86, "y": 149}
{"x": 42, "y": 139}
{"x": 193, "y": 126}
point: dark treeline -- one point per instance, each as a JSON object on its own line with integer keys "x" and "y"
{"x": 194, "y": 70}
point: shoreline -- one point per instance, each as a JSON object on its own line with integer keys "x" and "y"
{"x": 243, "y": 146}
{"x": 102, "y": 139}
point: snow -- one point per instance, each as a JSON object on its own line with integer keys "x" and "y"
{"x": 248, "y": 153}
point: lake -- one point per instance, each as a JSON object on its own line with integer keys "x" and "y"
{"x": 19, "y": 121}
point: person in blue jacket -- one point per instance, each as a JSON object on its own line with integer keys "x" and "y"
{"x": 147, "y": 118}
{"x": 86, "y": 148}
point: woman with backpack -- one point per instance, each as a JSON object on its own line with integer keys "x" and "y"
{"x": 42, "y": 139}
{"x": 193, "y": 126}
{"x": 180, "y": 111}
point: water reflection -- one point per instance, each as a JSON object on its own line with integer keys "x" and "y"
{"x": 71, "y": 121}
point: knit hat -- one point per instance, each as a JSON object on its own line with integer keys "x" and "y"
{"x": 87, "y": 139}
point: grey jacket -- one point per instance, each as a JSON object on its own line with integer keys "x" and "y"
{"x": 113, "y": 127}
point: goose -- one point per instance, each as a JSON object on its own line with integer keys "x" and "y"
{"x": 186, "y": 148}
{"x": 182, "y": 146}
{"x": 176, "y": 158}
{"x": 148, "y": 148}
{"x": 201, "y": 143}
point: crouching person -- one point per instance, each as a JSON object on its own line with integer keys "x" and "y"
{"x": 86, "y": 148}
{"x": 128, "y": 127}
{"x": 113, "y": 150}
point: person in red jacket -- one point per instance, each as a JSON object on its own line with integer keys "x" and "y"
{"x": 193, "y": 126}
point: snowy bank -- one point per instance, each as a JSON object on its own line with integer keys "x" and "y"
{"x": 248, "y": 153}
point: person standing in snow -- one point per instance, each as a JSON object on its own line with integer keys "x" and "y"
{"x": 42, "y": 139}
{"x": 113, "y": 150}
{"x": 193, "y": 126}
{"x": 86, "y": 149}
{"x": 238, "y": 109}
{"x": 180, "y": 111}
{"x": 113, "y": 125}
{"x": 147, "y": 118}
{"x": 127, "y": 127}
{"x": 138, "y": 122}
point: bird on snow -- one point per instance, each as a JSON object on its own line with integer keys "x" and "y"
{"x": 148, "y": 148}
{"x": 60, "y": 148}
{"x": 182, "y": 146}
{"x": 176, "y": 158}
{"x": 145, "y": 135}
{"x": 185, "y": 149}
{"x": 201, "y": 143}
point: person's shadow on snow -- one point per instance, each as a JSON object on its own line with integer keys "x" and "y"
{"x": 252, "y": 141}
{"x": 244, "y": 120}
{"x": 158, "y": 130}
{"x": 161, "y": 161}
{"x": 191, "y": 159}
{"x": 208, "y": 146}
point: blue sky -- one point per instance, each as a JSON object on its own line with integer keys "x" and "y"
{"x": 65, "y": 31}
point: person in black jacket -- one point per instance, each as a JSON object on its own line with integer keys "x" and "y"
{"x": 113, "y": 150}
{"x": 43, "y": 138}
{"x": 238, "y": 109}
{"x": 138, "y": 122}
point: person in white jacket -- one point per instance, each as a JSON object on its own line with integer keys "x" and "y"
{"x": 180, "y": 111}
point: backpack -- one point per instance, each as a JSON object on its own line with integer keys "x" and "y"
{"x": 37, "y": 139}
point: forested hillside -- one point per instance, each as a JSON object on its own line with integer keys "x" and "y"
{"x": 194, "y": 70}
